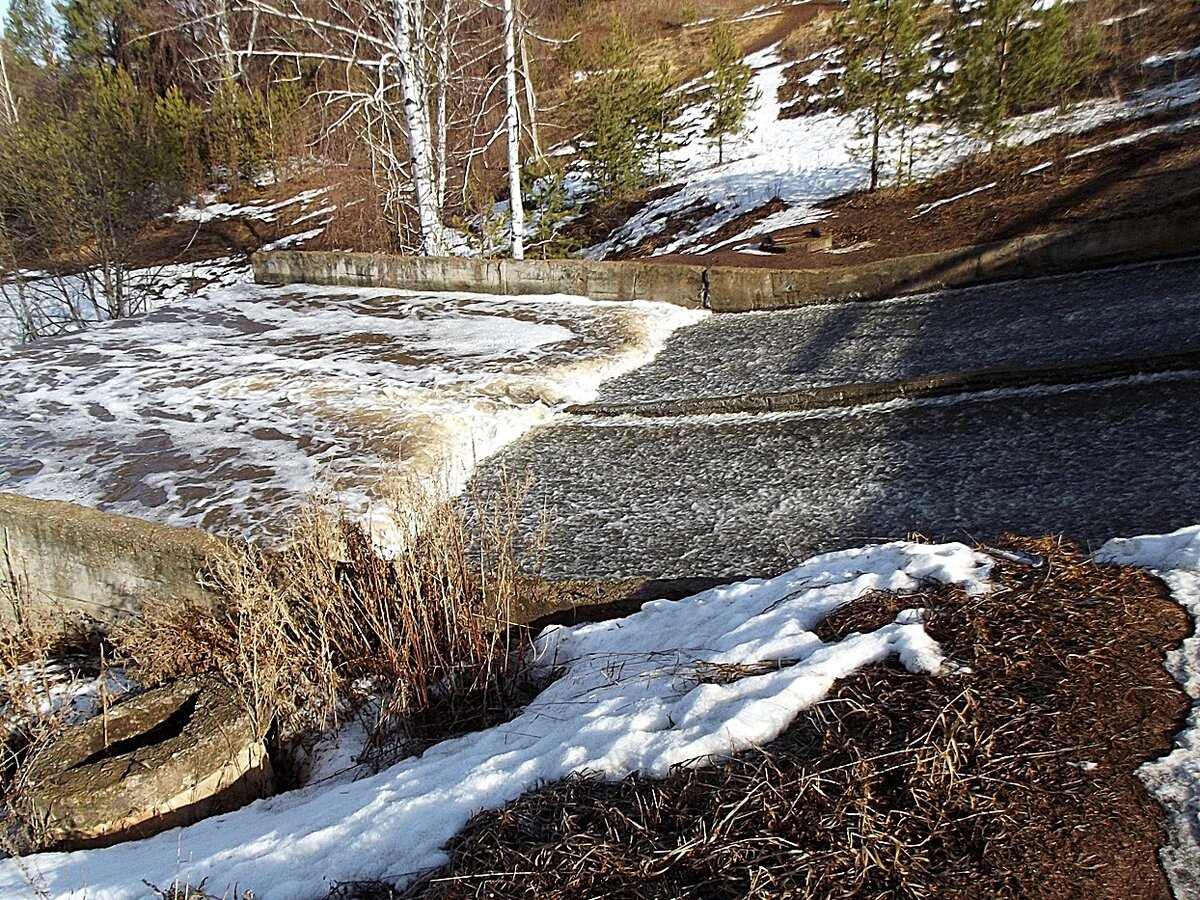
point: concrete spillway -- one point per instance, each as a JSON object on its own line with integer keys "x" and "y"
{"x": 699, "y": 495}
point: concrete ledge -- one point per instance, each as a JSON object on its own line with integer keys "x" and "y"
{"x": 158, "y": 760}
{"x": 942, "y": 384}
{"x": 740, "y": 289}
{"x": 681, "y": 285}
{"x": 105, "y": 566}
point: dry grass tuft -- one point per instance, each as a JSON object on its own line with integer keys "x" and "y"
{"x": 421, "y": 643}
{"x": 974, "y": 783}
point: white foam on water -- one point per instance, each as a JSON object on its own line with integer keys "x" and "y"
{"x": 226, "y": 410}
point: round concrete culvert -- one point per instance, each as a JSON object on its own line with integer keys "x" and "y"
{"x": 165, "y": 758}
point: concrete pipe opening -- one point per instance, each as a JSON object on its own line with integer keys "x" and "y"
{"x": 159, "y": 760}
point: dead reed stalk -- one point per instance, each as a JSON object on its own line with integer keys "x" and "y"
{"x": 330, "y": 624}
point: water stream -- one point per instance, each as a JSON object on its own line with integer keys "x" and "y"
{"x": 226, "y": 410}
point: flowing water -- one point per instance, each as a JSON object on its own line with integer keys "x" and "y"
{"x": 226, "y": 410}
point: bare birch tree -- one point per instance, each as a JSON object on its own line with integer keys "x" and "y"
{"x": 426, "y": 85}
{"x": 8, "y": 101}
{"x": 513, "y": 123}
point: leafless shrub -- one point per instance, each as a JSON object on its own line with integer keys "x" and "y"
{"x": 330, "y": 625}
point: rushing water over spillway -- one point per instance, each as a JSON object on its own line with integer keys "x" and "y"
{"x": 227, "y": 410}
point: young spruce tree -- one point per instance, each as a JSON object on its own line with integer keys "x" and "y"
{"x": 883, "y": 47}
{"x": 1011, "y": 54}
{"x": 730, "y": 95}
{"x": 625, "y": 115}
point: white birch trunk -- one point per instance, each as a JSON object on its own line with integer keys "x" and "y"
{"x": 11, "y": 116}
{"x": 443, "y": 88}
{"x": 409, "y": 30}
{"x": 512, "y": 117}
{"x": 229, "y": 67}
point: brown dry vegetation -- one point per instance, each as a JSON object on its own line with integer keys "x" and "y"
{"x": 419, "y": 645}
{"x": 975, "y": 783}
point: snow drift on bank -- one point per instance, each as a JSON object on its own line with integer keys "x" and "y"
{"x": 635, "y": 694}
{"x": 1175, "y": 779}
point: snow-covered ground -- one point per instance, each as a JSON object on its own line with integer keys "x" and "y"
{"x": 799, "y": 161}
{"x": 226, "y": 409}
{"x": 313, "y": 204}
{"x": 804, "y": 161}
{"x": 644, "y": 693}
{"x": 1175, "y": 779}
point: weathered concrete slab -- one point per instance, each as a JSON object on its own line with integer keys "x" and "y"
{"x": 543, "y": 276}
{"x": 163, "y": 759}
{"x": 102, "y": 565}
{"x": 742, "y": 289}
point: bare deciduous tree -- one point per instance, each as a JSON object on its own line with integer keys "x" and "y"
{"x": 418, "y": 82}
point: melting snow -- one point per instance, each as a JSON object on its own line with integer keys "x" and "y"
{"x": 1175, "y": 779}
{"x": 209, "y": 210}
{"x": 799, "y": 161}
{"x": 930, "y": 207}
{"x": 636, "y": 694}
{"x": 1173, "y": 57}
{"x": 807, "y": 160}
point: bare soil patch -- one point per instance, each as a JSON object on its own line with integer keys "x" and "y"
{"x": 1010, "y": 777}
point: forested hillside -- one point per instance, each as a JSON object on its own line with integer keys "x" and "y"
{"x": 526, "y": 127}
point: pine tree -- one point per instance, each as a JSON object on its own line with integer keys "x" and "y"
{"x": 1011, "y": 53}
{"x": 882, "y": 43}
{"x": 92, "y": 31}
{"x": 730, "y": 95}
{"x": 29, "y": 32}
{"x": 615, "y": 105}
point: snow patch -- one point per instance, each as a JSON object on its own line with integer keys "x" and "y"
{"x": 1175, "y": 56}
{"x": 799, "y": 161}
{"x": 1175, "y": 779}
{"x": 930, "y": 207}
{"x": 643, "y": 693}
{"x": 208, "y": 210}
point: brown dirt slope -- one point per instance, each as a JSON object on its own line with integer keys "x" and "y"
{"x": 1013, "y": 777}
{"x": 1153, "y": 174}
{"x": 1156, "y": 174}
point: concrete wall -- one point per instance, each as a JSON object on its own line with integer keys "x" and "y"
{"x": 738, "y": 289}
{"x": 681, "y": 285}
{"x": 100, "y": 564}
